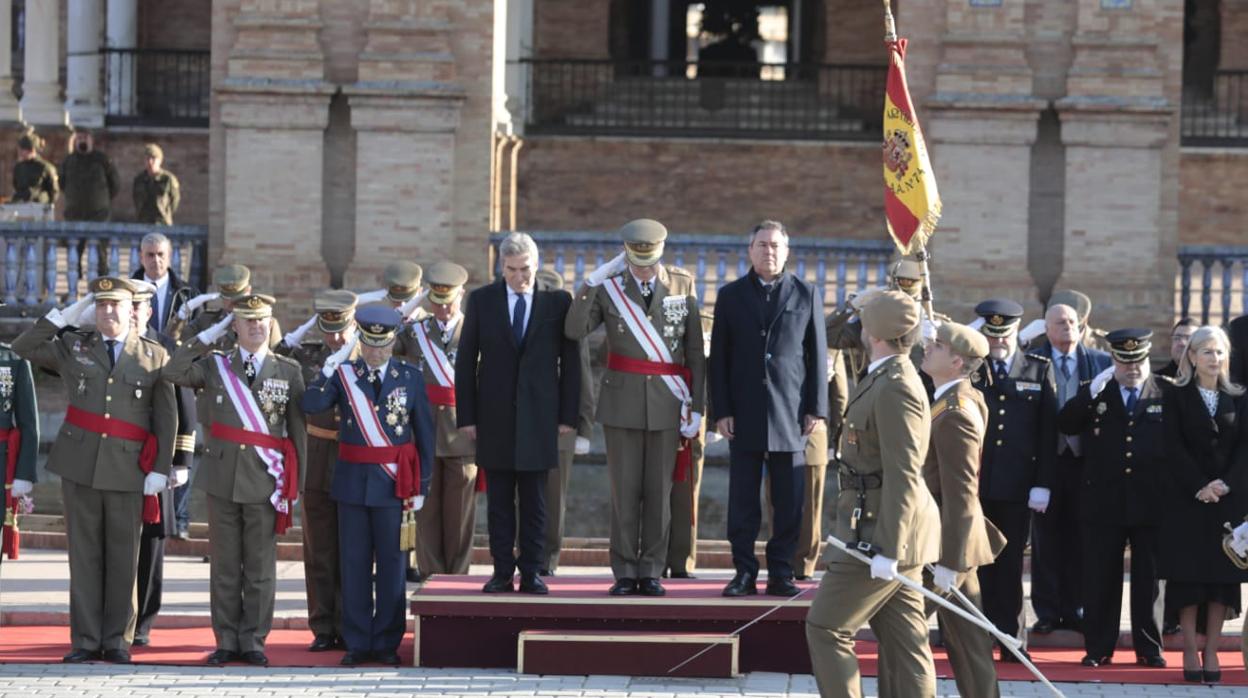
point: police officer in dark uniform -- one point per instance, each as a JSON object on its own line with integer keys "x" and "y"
{"x": 1119, "y": 419}
{"x": 1017, "y": 467}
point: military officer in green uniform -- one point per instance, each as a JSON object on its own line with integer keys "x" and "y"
{"x": 255, "y": 442}
{"x": 968, "y": 539}
{"x": 682, "y": 544}
{"x": 199, "y": 313}
{"x": 884, "y": 507}
{"x": 811, "y": 534}
{"x": 34, "y": 179}
{"x": 334, "y": 318}
{"x": 652, "y": 393}
{"x": 156, "y": 191}
{"x": 19, "y": 439}
{"x": 402, "y": 290}
{"x": 115, "y": 447}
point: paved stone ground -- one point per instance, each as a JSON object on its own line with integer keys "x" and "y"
{"x": 107, "y": 681}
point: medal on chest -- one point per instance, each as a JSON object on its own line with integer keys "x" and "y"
{"x": 274, "y": 393}
{"x": 396, "y": 409}
{"x": 6, "y": 387}
{"x": 675, "y": 310}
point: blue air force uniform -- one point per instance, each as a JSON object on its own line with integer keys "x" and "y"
{"x": 370, "y": 514}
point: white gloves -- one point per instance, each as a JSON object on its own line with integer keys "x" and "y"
{"x": 71, "y": 314}
{"x": 1038, "y": 499}
{"x": 606, "y": 271}
{"x": 21, "y": 488}
{"x": 1034, "y": 329}
{"x": 180, "y": 475}
{"x": 295, "y": 336}
{"x": 417, "y": 502}
{"x": 690, "y": 430}
{"x": 1098, "y": 383}
{"x": 87, "y": 318}
{"x": 371, "y": 296}
{"x": 883, "y": 568}
{"x": 405, "y": 310}
{"x": 196, "y": 303}
{"x": 1239, "y": 537}
{"x": 714, "y": 437}
{"x": 334, "y": 360}
{"x": 154, "y": 483}
{"x": 582, "y": 446}
{"x": 212, "y": 334}
{"x": 945, "y": 579}
{"x": 929, "y": 330}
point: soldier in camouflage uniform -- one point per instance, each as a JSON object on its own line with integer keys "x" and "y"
{"x": 34, "y": 179}
{"x": 156, "y": 190}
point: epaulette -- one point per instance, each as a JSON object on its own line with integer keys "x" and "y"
{"x": 1167, "y": 379}
{"x": 149, "y": 340}
{"x": 1038, "y": 357}
{"x": 401, "y": 361}
{"x": 285, "y": 359}
{"x": 950, "y": 402}
{"x": 678, "y": 271}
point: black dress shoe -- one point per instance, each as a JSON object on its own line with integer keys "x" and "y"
{"x": 390, "y": 658}
{"x": 1211, "y": 676}
{"x": 624, "y": 586}
{"x": 255, "y": 658}
{"x": 802, "y": 577}
{"x": 682, "y": 575}
{"x": 1009, "y": 658}
{"x": 649, "y": 586}
{"x": 222, "y": 657}
{"x": 1193, "y": 675}
{"x": 323, "y": 643}
{"x": 782, "y": 586}
{"x": 414, "y": 576}
{"x": 741, "y": 585}
{"x": 533, "y": 585}
{"x": 498, "y": 585}
{"x": 545, "y": 573}
{"x": 1043, "y": 627}
{"x": 1155, "y": 662}
{"x": 80, "y": 656}
{"x": 1089, "y": 660}
{"x": 355, "y": 658}
{"x": 141, "y": 641}
{"x": 1171, "y": 629}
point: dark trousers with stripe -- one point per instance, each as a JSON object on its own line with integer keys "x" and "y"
{"x": 373, "y": 611}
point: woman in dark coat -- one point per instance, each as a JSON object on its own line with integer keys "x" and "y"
{"x": 1207, "y": 443}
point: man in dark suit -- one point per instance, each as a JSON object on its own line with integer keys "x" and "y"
{"x": 1238, "y": 333}
{"x": 517, "y": 385}
{"x": 1118, "y": 418}
{"x": 1180, "y": 335}
{"x": 768, "y": 383}
{"x": 1056, "y": 550}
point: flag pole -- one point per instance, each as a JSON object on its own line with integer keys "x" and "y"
{"x": 890, "y": 26}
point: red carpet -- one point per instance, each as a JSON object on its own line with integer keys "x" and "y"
{"x": 287, "y": 648}
{"x": 186, "y": 646}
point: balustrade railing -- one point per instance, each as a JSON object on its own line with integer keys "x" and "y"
{"x": 1217, "y": 277}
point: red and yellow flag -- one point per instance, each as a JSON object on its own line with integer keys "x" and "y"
{"x": 911, "y": 202}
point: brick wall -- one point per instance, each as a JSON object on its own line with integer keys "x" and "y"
{"x": 1212, "y": 207}
{"x": 852, "y": 32}
{"x": 182, "y": 24}
{"x": 570, "y": 28}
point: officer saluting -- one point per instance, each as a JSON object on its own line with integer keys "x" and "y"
{"x": 117, "y": 402}
{"x": 250, "y": 470}
{"x": 385, "y": 458}
{"x": 19, "y": 441}
{"x": 1118, "y": 418}
{"x": 233, "y": 284}
{"x": 651, "y": 396}
{"x": 334, "y": 317}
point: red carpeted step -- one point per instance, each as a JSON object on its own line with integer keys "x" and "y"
{"x": 577, "y": 653}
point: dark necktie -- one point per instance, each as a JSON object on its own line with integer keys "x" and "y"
{"x": 1131, "y": 399}
{"x": 112, "y": 357}
{"x": 517, "y": 319}
{"x": 646, "y": 293}
{"x": 374, "y": 379}
{"x": 156, "y": 315}
{"x": 1065, "y": 365}
{"x": 1001, "y": 374}
{"x": 249, "y": 369}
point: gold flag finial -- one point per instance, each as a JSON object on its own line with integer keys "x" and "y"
{"x": 890, "y": 26}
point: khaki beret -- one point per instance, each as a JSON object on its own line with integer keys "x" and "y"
{"x": 335, "y": 309}
{"x": 111, "y": 288}
{"x": 863, "y": 297}
{"x": 445, "y": 279}
{"x": 643, "y": 241}
{"x": 889, "y": 315}
{"x": 254, "y": 306}
{"x": 402, "y": 280}
{"x": 962, "y": 340}
{"x": 1079, "y": 301}
{"x": 232, "y": 281}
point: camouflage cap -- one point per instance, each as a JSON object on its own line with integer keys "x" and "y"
{"x": 1130, "y": 345}
{"x": 889, "y": 315}
{"x": 962, "y": 340}
{"x": 643, "y": 241}
{"x": 1079, "y": 301}
{"x": 907, "y": 275}
{"x": 445, "y": 279}
{"x": 111, "y": 288}
{"x": 402, "y": 280}
{"x": 254, "y": 306}
{"x": 233, "y": 281}
{"x": 335, "y": 310}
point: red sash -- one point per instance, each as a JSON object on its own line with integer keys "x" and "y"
{"x": 110, "y": 426}
{"x": 439, "y": 395}
{"x": 290, "y": 461}
{"x": 625, "y": 364}
{"x": 12, "y": 538}
{"x": 407, "y": 480}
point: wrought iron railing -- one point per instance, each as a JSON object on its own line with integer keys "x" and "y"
{"x": 1213, "y": 271}
{"x": 43, "y": 262}
{"x": 1215, "y": 110}
{"x": 837, "y": 267}
{"x": 156, "y": 87}
{"x": 701, "y": 99}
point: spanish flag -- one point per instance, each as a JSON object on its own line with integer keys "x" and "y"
{"x": 911, "y": 202}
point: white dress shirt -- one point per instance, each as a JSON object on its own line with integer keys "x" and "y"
{"x": 162, "y": 296}
{"x": 878, "y": 362}
{"x": 257, "y": 358}
{"x": 945, "y": 388}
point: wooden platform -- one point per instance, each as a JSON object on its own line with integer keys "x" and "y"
{"x": 458, "y": 626}
{"x": 580, "y": 652}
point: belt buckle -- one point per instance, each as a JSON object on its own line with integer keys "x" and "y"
{"x": 864, "y": 547}
{"x": 854, "y": 516}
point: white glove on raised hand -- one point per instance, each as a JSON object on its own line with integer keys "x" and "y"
{"x": 1034, "y": 329}
{"x": 334, "y": 360}
{"x": 179, "y": 476}
{"x": 295, "y": 336}
{"x": 417, "y": 502}
{"x": 371, "y": 296}
{"x": 154, "y": 483}
{"x": 87, "y": 318}
{"x": 582, "y": 446}
{"x": 406, "y": 309}
{"x": 71, "y": 314}
{"x": 22, "y": 488}
{"x": 690, "y": 431}
{"x": 976, "y": 323}
{"x": 883, "y": 568}
{"x": 944, "y": 578}
{"x": 929, "y": 329}
{"x": 1038, "y": 499}
{"x": 212, "y": 334}
{"x": 196, "y": 303}
{"x": 606, "y": 271}
{"x": 1101, "y": 379}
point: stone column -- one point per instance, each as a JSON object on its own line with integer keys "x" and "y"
{"x": 513, "y": 43}
{"x": 41, "y": 88}
{"x": 82, "y": 63}
{"x": 10, "y": 110}
{"x": 122, "y": 33}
